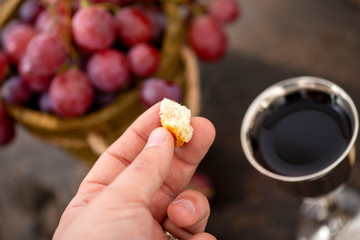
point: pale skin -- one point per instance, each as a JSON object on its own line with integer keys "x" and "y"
{"x": 136, "y": 188}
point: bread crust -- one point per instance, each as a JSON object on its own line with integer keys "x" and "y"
{"x": 176, "y": 119}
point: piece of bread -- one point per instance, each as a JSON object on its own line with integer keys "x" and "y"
{"x": 176, "y": 118}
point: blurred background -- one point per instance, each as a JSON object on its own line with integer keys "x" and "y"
{"x": 271, "y": 41}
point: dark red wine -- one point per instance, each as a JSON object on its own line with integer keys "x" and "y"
{"x": 301, "y": 133}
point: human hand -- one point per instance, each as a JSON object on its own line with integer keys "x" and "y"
{"x": 135, "y": 189}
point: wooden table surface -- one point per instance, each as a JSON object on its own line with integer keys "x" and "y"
{"x": 273, "y": 40}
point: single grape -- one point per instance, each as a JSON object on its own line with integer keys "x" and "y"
{"x": 71, "y": 93}
{"x": 14, "y": 91}
{"x": 144, "y": 60}
{"x": 132, "y": 26}
{"x": 224, "y": 11}
{"x": 44, "y": 103}
{"x": 7, "y": 127}
{"x": 154, "y": 90}
{"x": 4, "y": 65}
{"x": 93, "y": 28}
{"x": 108, "y": 70}
{"x": 35, "y": 82}
{"x": 29, "y": 10}
{"x": 45, "y": 22}
{"x": 45, "y": 54}
{"x": 15, "y": 39}
{"x": 207, "y": 38}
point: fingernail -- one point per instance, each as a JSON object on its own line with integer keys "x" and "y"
{"x": 189, "y": 205}
{"x": 157, "y": 137}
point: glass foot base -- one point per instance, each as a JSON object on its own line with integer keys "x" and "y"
{"x": 332, "y": 217}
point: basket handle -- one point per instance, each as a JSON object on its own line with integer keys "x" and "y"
{"x": 97, "y": 143}
{"x": 7, "y": 8}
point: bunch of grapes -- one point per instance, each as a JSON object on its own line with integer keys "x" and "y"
{"x": 71, "y": 57}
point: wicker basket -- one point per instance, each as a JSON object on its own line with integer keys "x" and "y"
{"x": 88, "y": 136}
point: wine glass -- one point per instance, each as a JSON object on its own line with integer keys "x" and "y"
{"x": 301, "y": 133}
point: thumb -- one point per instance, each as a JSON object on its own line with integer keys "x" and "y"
{"x": 144, "y": 176}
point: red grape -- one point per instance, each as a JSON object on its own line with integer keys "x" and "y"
{"x": 224, "y": 11}
{"x": 35, "y": 82}
{"x": 14, "y": 91}
{"x": 29, "y": 10}
{"x": 144, "y": 60}
{"x": 71, "y": 93}
{"x": 154, "y": 90}
{"x": 45, "y": 54}
{"x": 132, "y": 26}
{"x": 7, "y": 126}
{"x": 93, "y": 28}
{"x": 4, "y": 64}
{"x": 44, "y": 22}
{"x": 15, "y": 39}
{"x": 108, "y": 70}
{"x": 207, "y": 38}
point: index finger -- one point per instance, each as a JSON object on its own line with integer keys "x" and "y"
{"x": 125, "y": 149}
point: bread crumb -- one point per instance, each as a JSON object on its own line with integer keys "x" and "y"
{"x": 176, "y": 118}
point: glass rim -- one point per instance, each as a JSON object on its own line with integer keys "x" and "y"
{"x": 280, "y": 89}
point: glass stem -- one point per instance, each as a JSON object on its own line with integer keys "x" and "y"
{"x": 322, "y": 218}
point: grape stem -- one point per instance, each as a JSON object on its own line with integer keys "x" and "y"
{"x": 195, "y": 8}
{"x": 84, "y": 4}
{"x": 66, "y": 35}
{"x": 110, "y": 7}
